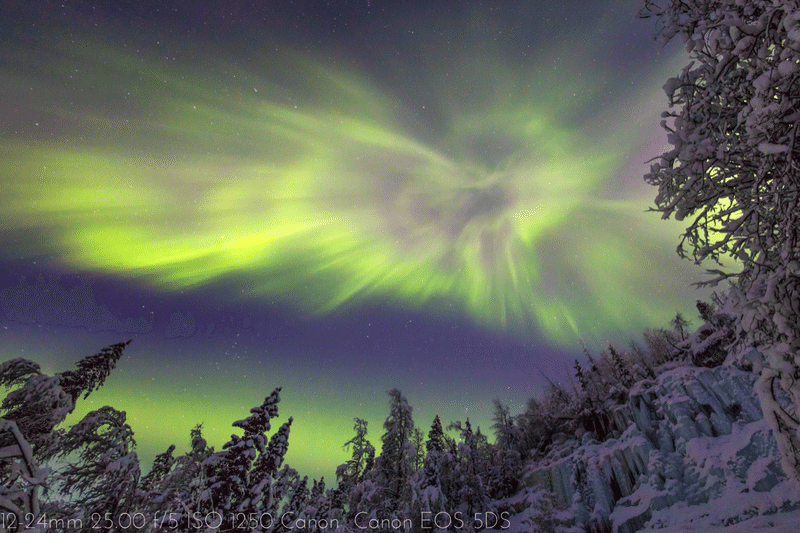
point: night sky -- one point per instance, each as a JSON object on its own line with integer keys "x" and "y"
{"x": 338, "y": 198}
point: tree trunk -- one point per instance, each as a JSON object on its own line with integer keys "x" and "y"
{"x": 784, "y": 425}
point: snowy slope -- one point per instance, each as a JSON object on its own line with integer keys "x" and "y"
{"x": 697, "y": 456}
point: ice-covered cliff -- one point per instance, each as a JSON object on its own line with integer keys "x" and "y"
{"x": 697, "y": 455}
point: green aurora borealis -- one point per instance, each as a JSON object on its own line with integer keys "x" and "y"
{"x": 506, "y": 192}
{"x": 329, "y": 199}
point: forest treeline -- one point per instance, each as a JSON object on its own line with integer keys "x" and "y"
{"x": 436, "y": 477}
{"x": 731, "y": 173}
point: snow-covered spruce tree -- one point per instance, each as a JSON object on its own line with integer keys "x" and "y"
{"x": 352, "y": 472}
{"x": 549, "y": 420}
{"x": 427, "y": 497}
{"x": 534, "y": 432}
{"x": 418, "y": 441}
{"x": 383, "y": 493}
{"x": 162, "y": 464}
{"x": 101, "y": 473}
{"x": 680, "y": 325}
{"x": 591, "y": 414}
{"x": 323, "y": 508}
{"x": 246, "y": 476}
{"x": 427, "y": 500}
{"x": 624, "y": 375}
{"x": 92, "y": 371}
{"x": 506, "y": 464}
{"x": 294, "y": 508}
{"x": 733, "y": 172}
{"x": 443, "y": 470}
{"x": 42, "y": 402}
{"x": 272, "y": 480}
{"x": 183, "y": 490}
{"x": 507, "y": 434}
{"x": 436, "y": 437}
{"x": 396, "y": 462}
{"x": 356, "y": 490}
{"x": 31, "y": 412}
{"x": 467, "y": 488}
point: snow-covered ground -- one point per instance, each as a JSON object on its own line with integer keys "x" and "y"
{"x": 687, "y": 462}
{"x": 707, "y": 518}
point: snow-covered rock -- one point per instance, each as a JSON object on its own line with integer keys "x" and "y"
{"x": 697, "y": 455}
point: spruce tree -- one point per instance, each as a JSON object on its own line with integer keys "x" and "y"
{"x": 625, "y": 376}
{"x": 101, "y": 470}
{"x": 92, "y": 371}
{"x": 680, "y": 325}
{"x": 705, "y": 310}
{"x": 579, "y": 373}
{"x": 435, "y": 441}
{"x": 243, "y": 472}
{"x": 184, "y": 489}
{"x": 417, "y": 440}
{"x": 294, "y": 508}
{"x": 30, "y": 414}
{"x": 42, "y": 402}
{"x": 161, "y": 467}
{"x": 507, "y": 433}
{"x": 352, "y": 472}
{"x": 397, "y": 455}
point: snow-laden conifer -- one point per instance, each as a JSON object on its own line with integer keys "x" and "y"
{"x": 101, "y": 471}
{"x": 396, "y": 461}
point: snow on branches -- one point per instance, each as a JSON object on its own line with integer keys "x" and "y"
{"x": 733, "y": 172}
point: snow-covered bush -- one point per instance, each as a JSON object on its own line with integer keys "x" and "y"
{"x": 708, "y": 345}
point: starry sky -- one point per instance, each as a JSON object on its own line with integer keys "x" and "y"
{"x": 336, "y": 197}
